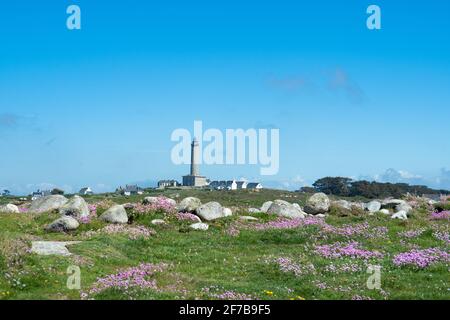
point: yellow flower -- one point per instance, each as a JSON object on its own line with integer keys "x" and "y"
{"x": 269, "y": 293}
{"x": 300, "y": 298}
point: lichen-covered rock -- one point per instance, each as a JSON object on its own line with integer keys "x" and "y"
{"x": 373, "y": 206}
{"x": 266, "y": 205}
{"x": 115, "y": 214}
{"x": 48, "y": 203}
{"x": 63, "y": 224}
{"x": 9, "y": 208}
{"x": 211, "y": 211}
{"x": 189, "y": 204}
{"x": 285, "y": 209}
{"x": 317, "y": 203}
{"x": 76, "y": 207}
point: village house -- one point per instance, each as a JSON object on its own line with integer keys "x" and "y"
{"x": 254, "y": 186}
{"x": 130, "y": 190}
{"x": 168, "y": 183}
{"x": 40, "y": 193}
{"x": 86, "y": 191}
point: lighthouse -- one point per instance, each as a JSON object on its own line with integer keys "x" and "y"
{"x": 194, "y": 179}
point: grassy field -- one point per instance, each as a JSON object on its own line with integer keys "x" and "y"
{"x": 232, "y": 260}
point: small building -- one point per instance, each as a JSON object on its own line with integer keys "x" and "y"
{"x": 223, "y": 185}
{"x": 254, "y": 186}
{"x": 86, "y": 191}
{"x": 168, "y": 183}
{"x": 40, "y": 193}
{"x": 130, "y": 190}
{"x": 241, "y": 184}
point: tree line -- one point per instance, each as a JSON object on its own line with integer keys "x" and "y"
{"x": 346, "y": 187}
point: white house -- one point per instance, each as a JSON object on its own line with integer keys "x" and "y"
{"x": 254, "y": 186}
{"x": 86, "y": 191}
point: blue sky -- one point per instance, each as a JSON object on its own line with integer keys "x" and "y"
{"x": 97, "y": 106}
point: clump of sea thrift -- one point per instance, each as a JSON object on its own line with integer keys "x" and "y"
{"x": 421, "y": 258}
{"x": 130, "y": 280}
{"x": 443, "y": 215}
{"x": 351, "y": 249}
{"x": 186, "y": 216}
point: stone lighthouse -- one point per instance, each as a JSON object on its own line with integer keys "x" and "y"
{"x": 194, "y": 179}
{"x": 194, "y": 157}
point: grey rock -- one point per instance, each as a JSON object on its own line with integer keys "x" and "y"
{"x": 403, "y": 207}
{"x": 266, "y": 205}
{"x": 48, "y": 203}
{"x": 63, "y": 224}
{"x": 317, "y": 203}
{"x": 210, "y": 211}
{"x": 373, "y": 206}
{"x": 155, "y": 200}
{"x": 254, "y": 210}
{"x": 342, "y": 204}
{"x": 385, "y": 211}
{"x": 52, "y": 247}
{"x": 391, "y": 203}
{"x": 285, "y": 209}
{"x": 9, "y": 208}
{"x": 158, "y": 222}
{"x": 115, "y": 214}
{"x": 402, "y": 215}
{"x": 227, "y": 212}
{"x": 189, "y": 204}
{"x": 76, "y": 207}
{"x": 248, "y": 218}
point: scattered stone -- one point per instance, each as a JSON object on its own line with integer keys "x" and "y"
{"x": 199, "y": 226}
{"x": 400, "y": 215}
{"x": 285, "y": 209}
{"x": 248, "y": 218}
{"x": 385, "y": 211}
{"x": 63, "y": 224}
{"x": 158, "y": 222}
{"x": 156, "y": 200}
{"x": 317, "y": 203}
{"x": 266, "y": 205}
{"x": 297, "y": 206}
{"x": 210, "y": 211}
{"x": 320, "y": 215}
{"x": 227, "y": 212}
{"x": 373, "y": 206}
{"x": 48, "y": 203}
{"x": 189, "y": 204}
{"x": 115, "y": 214}
{"x": 9, "y": 208}
{"x": 403, "y": 207}
{"x": 52, "y": 247}
{"x": 391, "y": 203}
{"x": 76, "y": 207}
{"x": 343, "y": 204}
{"x": 254, "y": 210}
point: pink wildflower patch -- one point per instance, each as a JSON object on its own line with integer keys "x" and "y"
{"x": 186, "y": 216}
{"x": 134, "y": 279}
{"x": 351, "y": 249}
{"x": 443, "y": 215}
{"x": 421, "y": 258}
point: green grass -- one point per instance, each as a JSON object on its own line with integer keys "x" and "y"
{"x": 213, "y": 258}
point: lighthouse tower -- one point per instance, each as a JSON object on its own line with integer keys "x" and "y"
{"x": 194, "y": 158}
{"x": 194, "y": 179}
